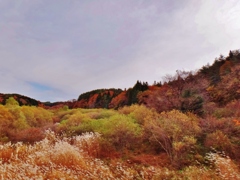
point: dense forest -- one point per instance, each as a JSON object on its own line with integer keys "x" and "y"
{"x": 187, "y": 127}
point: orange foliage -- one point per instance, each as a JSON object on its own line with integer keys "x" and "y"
{"x": 92, "y": 101}
{"x": 237, "y": 122}
{"x": 119, "y": 100}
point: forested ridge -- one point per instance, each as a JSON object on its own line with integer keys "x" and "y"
{"x": 185, "y": 127}
{"x": 216, "y": 84}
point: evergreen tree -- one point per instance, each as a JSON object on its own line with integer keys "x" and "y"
{"x": 230, "y": 54}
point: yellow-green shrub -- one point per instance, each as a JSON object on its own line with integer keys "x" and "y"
{"x": 140, "y": 113}
{"x": 120, "y": 131}
{"x": 175, "y": 133}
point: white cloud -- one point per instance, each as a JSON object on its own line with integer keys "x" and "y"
{"x": 78, "y": 46}
{"x": 218, "y": 21}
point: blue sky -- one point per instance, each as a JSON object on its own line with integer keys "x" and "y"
{"x": 55, "y": 50}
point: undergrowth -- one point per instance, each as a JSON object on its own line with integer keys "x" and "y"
{"x": 59, "y": 157}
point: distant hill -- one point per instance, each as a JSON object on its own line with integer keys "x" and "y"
{"x": 186, "y": 91}
{"x": 110, "y": 98}
{"x": 27, "y": 101}
{"x": 217, "y": 84}
{"x": 22, "y": 100}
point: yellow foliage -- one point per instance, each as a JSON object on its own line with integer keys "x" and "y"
{"x": 6, "y": 119}
{"x": 175, "y": 132}
{"x": 11, "y": 102}
{"x": 140, "y": 113}
{"x": 210, "y": 88}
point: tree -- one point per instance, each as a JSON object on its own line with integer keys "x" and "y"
{"x": 230, "y": 54}
{"x": 11, "y": 102}
{"x": 20, "y": 121}
{"x": 228, "y": 89}
{"x": 119, "y": 100}
{"x": 6, "y": 119}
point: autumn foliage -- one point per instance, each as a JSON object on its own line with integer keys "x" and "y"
{"x": 185, "y": 128}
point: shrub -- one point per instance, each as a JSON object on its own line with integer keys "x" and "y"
{"x": 222, "y": 134}
{"x": 219, "y": 141}
{"x": 29, "y": 135}
{"x": 140, "y": 113}
{"x": 11, "y": 102}
{"x": 101, "y": 114}
{"x": 223, "y": 112}
{"x": 42, "y": 116}
{"x": 20, "y": 121}
{"x": 120, "y": 130}
{"x": 37, "y": 116}
{"x": 29, "y": 115}
{"x": 176, "y": 133}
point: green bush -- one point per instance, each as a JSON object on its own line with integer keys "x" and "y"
{"x": 120, "y": 130}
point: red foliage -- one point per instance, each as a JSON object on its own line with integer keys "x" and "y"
{"x": 92, "y": 101}
{"x": 1, "y": 99}
{"x": 80, "y": 104}
{"x": 111, "y": 93}
{"x": 30, "y": 135}
{"x": 119, "y": 100}
{"x": 162, "y": 98}
{"x": 23, "y": 101}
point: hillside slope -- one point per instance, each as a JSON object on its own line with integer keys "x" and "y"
{"x": 216, "y": 84}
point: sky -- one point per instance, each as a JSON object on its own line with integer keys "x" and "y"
{"x": 55, "y": 50}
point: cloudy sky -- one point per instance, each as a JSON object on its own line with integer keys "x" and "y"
{"x": 54, "y": 50}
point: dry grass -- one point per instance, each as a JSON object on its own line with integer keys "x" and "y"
{"x": 224, "y": 167}
{"x": 60, "y": 158}
{"x": 52, "y": 158}
{"x": 75, "y": 158}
